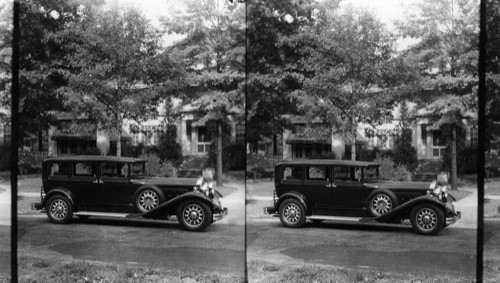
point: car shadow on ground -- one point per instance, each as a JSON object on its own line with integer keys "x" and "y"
{"x": 359, "y": 226}
{"x": 131, "y": 222}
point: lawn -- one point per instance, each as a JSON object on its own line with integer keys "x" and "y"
{"x": 32, "y": 269}
{"x": 263, "y": 271}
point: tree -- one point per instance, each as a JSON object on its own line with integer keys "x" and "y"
{"x": 492, "y": 74}
{"x": 447, "y": 56}
{"x": 214, "y": 55}
{"x": 354, "y": 75}
{"x": 117, "y": 71}
{"x": 274, "y": 62}
{"x": 41, "y": 71}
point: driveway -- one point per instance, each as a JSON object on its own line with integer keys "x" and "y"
{"x": 5, "y": 208}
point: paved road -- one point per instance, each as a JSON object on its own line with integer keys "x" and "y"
{"x": 390, "y": 248}
{"x": 155, "y": 243}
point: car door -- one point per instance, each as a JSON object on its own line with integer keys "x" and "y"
{"x": 85, "y": 184}
{"x": 115, "y": 187}
{"x": 318, "y": 189}
{"x": 349, "y": 192}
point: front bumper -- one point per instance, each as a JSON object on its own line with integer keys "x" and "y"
{"x": 270, "y": 210}
{"x": 220, "y": 215}
{"x": 453, "y": 218}
{"x": 37, "y": 206}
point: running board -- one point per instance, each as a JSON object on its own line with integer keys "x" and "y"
{"x": 340, "y": 218}
{"x": 106, "y": 214}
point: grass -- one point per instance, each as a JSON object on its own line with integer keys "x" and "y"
{"x": 263, "y": 271}
{"x": 32, "y": 269}
{"x": 491, "y": 270}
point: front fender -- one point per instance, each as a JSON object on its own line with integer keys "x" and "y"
{"x": 295, "y": 195}
{"x": 169, "y": 207}
{"x": 403, "y": 211}
{"x": 60, "y": 191}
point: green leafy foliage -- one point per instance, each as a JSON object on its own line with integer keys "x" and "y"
{"x": 404, "y": 153}
{"x": 258, "y": 166}
{"x": 169, "y": 148}
{"x": 117, "y": 71}
{"x": 156, "y": 167}
{"x": 390, "y": 171}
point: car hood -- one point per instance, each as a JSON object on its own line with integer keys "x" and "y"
{"x": 166, "y": 181}
{"x": 399, "y": 185}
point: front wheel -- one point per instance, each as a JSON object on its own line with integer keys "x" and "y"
{"x": 59, "y": 209}
{"x": 427, "y": 219}
{"x": 194, "y": 215}
{"x": 292, "y": 213}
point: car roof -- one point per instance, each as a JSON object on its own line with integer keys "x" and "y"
{"x": 95, "y": 158}
{"x": 328, "y": 162}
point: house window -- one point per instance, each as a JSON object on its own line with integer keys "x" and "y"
{"x": 189, "y": 129}
{"x": 424, "y": 134}
{"x": 437, "y": 138}
{"x": 240, "y": 133}
{"x": 7, "y": 134}
{"x": 63, "y": 146}
{"x": 203, "y": 134}
{"x": 298, "y": 150}
{"x": 473, "y": 137}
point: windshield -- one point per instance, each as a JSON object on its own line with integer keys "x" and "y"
{"x": 371, "y": 174}
{"x": 138, "y": 170}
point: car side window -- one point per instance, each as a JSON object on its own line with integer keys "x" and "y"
{"x": 346, "y": 174}
{"x": 114, "y": 170}
{"x": 317, "y": 173}
{"x": 59, "y": 170}
{"x": 292, "y": 173}
{"x": 84, "y": 169}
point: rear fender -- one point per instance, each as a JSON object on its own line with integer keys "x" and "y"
{"x": 403, "y": 211}
{"x": 60, "y": 191}
{"x": 295, "y": 195}
{"x": 170, "y": 207}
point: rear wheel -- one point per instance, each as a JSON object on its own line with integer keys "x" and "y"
{"x": 194, "y": 215}
{"x": 292, "y": 213}
{"x": 59, "y": 209}
{"x": 427, "y": 219}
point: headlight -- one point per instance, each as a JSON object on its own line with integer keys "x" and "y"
{"x": 437, "y": 191}
{"x": 204, "y": 187}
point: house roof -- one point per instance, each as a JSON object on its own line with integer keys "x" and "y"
{"x": 311, "y": 138}
{"x": 83, "y": 131}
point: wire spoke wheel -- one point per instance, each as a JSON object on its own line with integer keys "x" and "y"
{"x": 59, "y": 209}
{"x": 427, "y": 219}
{"x": 193, "y": 215}
{"x": 148, "y": 200}
{"x": 292, "y": 213}
{"x": 381, "y": 204}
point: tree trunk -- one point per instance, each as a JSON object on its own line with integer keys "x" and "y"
{"x": 354, "y": 130}
{"x": 119, "y": 135}
{"x": 40, "y": 141}
{"x": 275, "y": 144}
{"x": 453, "y": 158}
{"x": 219, "y": 153}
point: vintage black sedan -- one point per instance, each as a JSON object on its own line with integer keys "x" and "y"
{"x": 118, "y": 187}
{"x": 351, "y": 190}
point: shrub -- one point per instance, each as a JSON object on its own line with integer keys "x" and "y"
{"x": 168, "y": 147}
{"x": 390, "y": 171}
{"x": 259, "y": 166}
{"x": 492, "y": 164}
{"x": 404, "y": 152}
{"x": 236, "y": 155}
{"x": 29, "y": 162}
{"x": 4, "y": 157}
{"x": 155, "y": 167}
